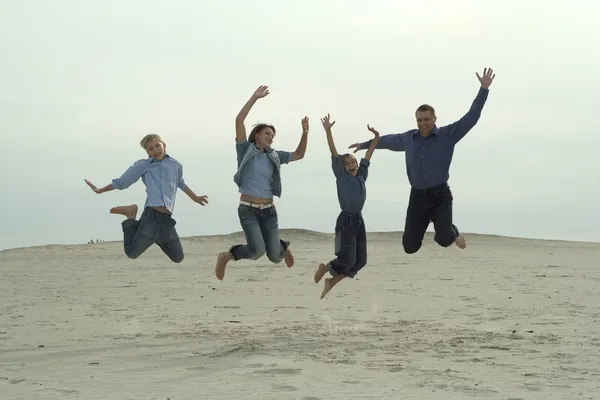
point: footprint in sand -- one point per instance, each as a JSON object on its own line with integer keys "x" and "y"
{"x": 284, "y": 388}
{"x": 67, "y": 392}
{"x": 280, "y": 371}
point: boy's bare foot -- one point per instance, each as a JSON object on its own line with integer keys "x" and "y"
{"x": 330, "y": 283}
{"x": 289, "y": 258}
{"x": 222, "y": 261}
{"x": 129, "y": 211}
{"x": 461, "y": 242}
{"x": 321, "y": 271}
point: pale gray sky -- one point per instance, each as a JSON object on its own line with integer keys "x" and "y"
{"x": 83, "y": 82}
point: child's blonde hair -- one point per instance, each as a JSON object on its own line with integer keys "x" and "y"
{"x": 149, "y": 137}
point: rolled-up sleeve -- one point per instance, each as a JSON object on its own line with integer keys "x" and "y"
{"x": 130, "y": 176}
{"x": 337, "y": 165}
{"x": 181, "y": 182}
{"x": 363, "y": 169}
{"x": 241, "y": 147}
{"x": 284, "y": 157}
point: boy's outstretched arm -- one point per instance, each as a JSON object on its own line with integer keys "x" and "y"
{"x": 373, "y": 144}
{"x": 328, "y": 125}
{"x": 202, "y": 200}
{"x": 181, "y": 184}
{"x": 129, "y": 177}
{"x": 96, "y": 190}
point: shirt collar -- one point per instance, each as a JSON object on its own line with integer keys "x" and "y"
{"x": 267, "y": 150}
{"x": 152, "y": 159}
{"x": 434, "y": 131}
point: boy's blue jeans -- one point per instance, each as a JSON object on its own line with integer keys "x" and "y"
{"x": 261, "y": 228}
{"x": 152, "y": 227}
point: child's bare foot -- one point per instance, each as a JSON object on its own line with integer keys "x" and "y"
{"x": 222, "y": 261}
{"x": 321, "y": 271}
{"x": 129, "y": 211}
{"x": 289, "y": 258}
{"x": 330, "y": 283}
{"x": 461, "y": 242}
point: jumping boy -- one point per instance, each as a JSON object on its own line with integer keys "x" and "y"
{"x": 350, "y": 232}
{"x": 162, "y": 175}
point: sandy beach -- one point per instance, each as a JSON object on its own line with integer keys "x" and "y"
{"x": 506, "y": 318}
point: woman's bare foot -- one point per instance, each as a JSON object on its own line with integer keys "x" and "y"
{"x": 289, "y": 258}
{"x": 321, "y": 271}
{"x": 129, "y": 211}
{"x": 330, "y": 283}
{"x": 222, "y": 261}
{"x": 461, "y": 242}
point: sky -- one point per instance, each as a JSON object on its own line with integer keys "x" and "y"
{"x": 82, "y": 83}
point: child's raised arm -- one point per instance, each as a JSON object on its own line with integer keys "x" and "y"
{"x": 373, "y": 143}
{"x": 327, "y": 125}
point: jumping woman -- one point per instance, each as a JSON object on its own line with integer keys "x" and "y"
{"x": 259, "y": 179}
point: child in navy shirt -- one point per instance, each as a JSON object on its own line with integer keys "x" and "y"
{"x": 350, "y": 232}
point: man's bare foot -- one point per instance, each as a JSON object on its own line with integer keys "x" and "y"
{"x": 321, "y": 271}
{"x": 129, "y": 211}
{"x": 289, "y": 258}
{"x": 330, "y": 283}
{"x": 222, "y": 261}
{"x": 461, "y": 242}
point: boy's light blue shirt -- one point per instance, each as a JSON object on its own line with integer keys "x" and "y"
{"x": 161, "y": 178}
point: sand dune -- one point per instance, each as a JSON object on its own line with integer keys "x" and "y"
{"x": 504, "y": 319}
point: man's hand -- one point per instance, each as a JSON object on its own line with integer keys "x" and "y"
{"x": 327, "y": 124}
{"x": 202, "y": 200}
{"x": 355, "y": 146}
{"x": 305, "y": 125}
{"x": 487, "y": 78}
{"x": 373, "y": 130}
{"x": 261, "y": 92}
{"x": 93, "y": 187}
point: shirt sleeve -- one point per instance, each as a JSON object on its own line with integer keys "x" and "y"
{"x": 241, "y": 147}
{"x": 130, "y": 176}
{"x": 181, "y": 184}
{"x": 284, "y": 156}
{"x": 393, "y": 142}
{"x": 337, "y": 165}
{"x": 363, "y": 169}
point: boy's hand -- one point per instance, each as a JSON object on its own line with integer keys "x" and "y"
{"x": 373, "y": 130}
{"x": 326, "y": 123}
{"x": 305, "y": 125}
{"x": 202, "y": 200}
{"x": 93, "y": 187}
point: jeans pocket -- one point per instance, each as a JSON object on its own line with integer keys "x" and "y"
{"x": 171, "y": 234}
{"x": 245, "y": 212}
{"x": 442, "y": 192}
{"x": 344, "y": 221}
{"x": 269, "y": 219}
{"x": 148, "y": 229}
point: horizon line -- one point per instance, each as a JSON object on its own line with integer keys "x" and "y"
{"x": 302, "y": 230}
